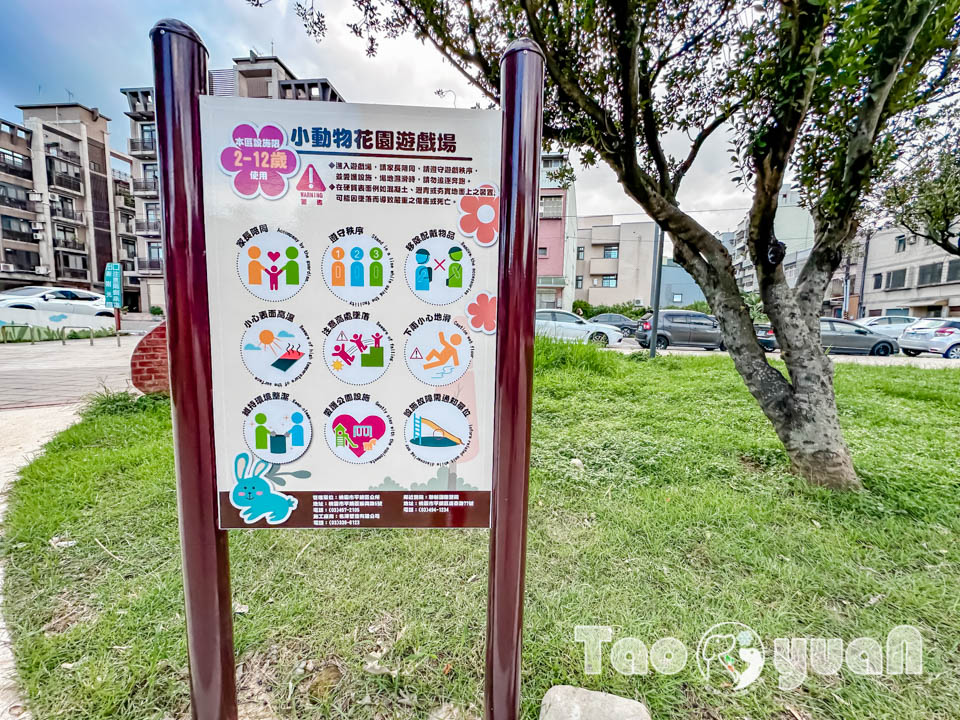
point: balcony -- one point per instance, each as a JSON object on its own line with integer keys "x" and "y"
{"x": 554, "y": 281}
{"x": 126, "y": 228}
{"x": 18, "y": 204}
{"x": 73, "y": 273}
{"x": 74, "y": 245}
{"x": 66, "y": 213}
{"x": 23, "y": 171}
{"x": 126, "y": 200}
{"x": 150, "y": 266}
{"x": 129, "y": 265}
{"x": 603, "y": 266}
{"x": 143, "y": 146}
{"x": 62, "y": 153}
{"x": 65, "y": 182}
{"x": 146, "y": 186}
{"x": 17, "y": 235}
{"x": 147, "y": 227}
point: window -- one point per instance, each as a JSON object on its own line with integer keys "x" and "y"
{"x": 846, "y": 328}
{"x": 61, "y": 232}
{"x": 152, "y": 211}
{"x": 129, "y": 249}
{"x": 8, "y": 157}
{"x": 15, "y": 226}
{"x": 148, "y": 132}
{"x": 930, "y": 274}
{"x": 609, "y": 281}
{"x": 901, "y": 241}
{"x": 551, "y": 206}
{"x": 677, "y": 298}
{"x": 150, "y": 171}
{"x": 878, "y": 281}
{"x": 953, "y": 271}
{"x": 580, "y": 252}
{"x": 579, "y": 282}
{"x": 874, "y": 313}
{"x": 896, "y": 279}
{"x": 541, "y": 252}
{"x": 23, "y": 259}
{"x": 611, "y": 252}
{"x": 154, "y": 250}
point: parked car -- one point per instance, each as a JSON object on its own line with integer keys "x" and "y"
{"x": 683, "y": 328}
{"x": 936, "y": 335}
{"x": 889, "y": 325}
{"x": 846, "y": 337}
{"x": 566, "y": 326}
{"x": 628, "y": 326}
{"x": 766, "y": 337}
{"x": 55, "y": 300}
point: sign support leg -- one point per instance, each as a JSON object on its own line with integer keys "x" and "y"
{"x": 180, "y": 77}
{"x": 522, "y": 101}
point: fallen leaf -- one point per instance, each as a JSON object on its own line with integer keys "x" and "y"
{"x": 241, "y": 609}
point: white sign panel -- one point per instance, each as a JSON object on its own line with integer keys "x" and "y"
{"x": 352, "y": 262}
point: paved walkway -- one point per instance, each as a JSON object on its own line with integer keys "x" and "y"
{"x": 50, "y": 373}
{"x": 25, "y": 431}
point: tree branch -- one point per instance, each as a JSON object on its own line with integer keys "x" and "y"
{"x": 700, "y": 139}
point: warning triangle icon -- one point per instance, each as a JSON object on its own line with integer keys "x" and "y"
{"x": 310, "y": 180}
{"x": 415, "y": 355}
{"x": 341, "y": 337}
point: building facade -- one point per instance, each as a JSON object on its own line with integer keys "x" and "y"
{"x": 907, "y": 275}
{"x": 615, "y": 264}
{"x": 141, "y": 251}
{"x": 58, "y": 212}
{"x": 556, "y": 236}
{"x": 792, "y": 225}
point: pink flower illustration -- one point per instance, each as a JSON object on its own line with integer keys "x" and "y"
{"x": 482, "y": 311}
{"x": 258, "y": 162}
{"x": 480, "y": 216}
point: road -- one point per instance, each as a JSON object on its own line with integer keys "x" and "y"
{"x": 929, "y": 362}
{"x": 50, "y": 373}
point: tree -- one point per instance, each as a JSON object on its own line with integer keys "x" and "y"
{"x": 824, "y": 88}
{"x": 925, "y": 197}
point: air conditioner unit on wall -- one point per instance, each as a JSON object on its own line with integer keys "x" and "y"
{"x": 912, "y": 240}
{"x": 35, "y": 196}
{"x": 38, "y": 234}
{"x": 36, "y": 225}
{"x": 7, "y": 267}
{"x": 41, "y": 270}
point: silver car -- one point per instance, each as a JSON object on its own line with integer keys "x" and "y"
{"x": 566, "y": 326}
{"x": 936, "y": 335}
{"x": 845, "y": 337}
{"x": 889, "y": 325}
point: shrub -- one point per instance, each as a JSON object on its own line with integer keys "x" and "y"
{"x": 124, "y": 403}
{"x": 550, "y": 354}
{"x": 156, "y": 310}
{"x": 628, "y": 309}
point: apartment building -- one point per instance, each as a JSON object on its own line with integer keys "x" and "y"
{"x": 615, "y": 264}
{"x": 557, "y": 236}
{"x": 58, "y": 214}
{"x": 141, "y": 246}
{"x": 907, "y": 275}
{"x": 792, "y": 225}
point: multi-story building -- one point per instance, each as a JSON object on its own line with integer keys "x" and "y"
{"x": 907, "y": 275}
{"x": 616, "y": 264}
{"x": 58, "y": 224}
{"x": 557, "y": 236}
{"x": 141, "y": 251}
{"x": 22, "y": 246}
{"x": 792, "y": 225}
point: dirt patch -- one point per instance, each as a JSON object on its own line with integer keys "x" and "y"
{"x": 70, "y": 611}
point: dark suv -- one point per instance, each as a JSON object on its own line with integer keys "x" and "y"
{"x": 626, "y": 325}
{"x": 683, "y": 328}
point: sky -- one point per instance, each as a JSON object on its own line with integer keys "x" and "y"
{"x": 92, "y": 48}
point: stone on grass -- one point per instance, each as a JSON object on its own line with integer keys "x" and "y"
{"x": 565, "y": 702}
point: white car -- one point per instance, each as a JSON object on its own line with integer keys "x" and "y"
{"x": 889, "y": 325}
{"x": 55, "y": 300}
{"x": 566, "y": 326}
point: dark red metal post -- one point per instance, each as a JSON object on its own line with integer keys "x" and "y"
{"x": 180, "y": 77}
{"x": 521, "y": 93}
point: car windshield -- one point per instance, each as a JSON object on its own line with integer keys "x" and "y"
{"x": 927, "y": 324}
{"x": 25, "y": 291}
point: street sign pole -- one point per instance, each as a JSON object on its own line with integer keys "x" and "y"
{"x": 657, "y": 275}
{"x": 180, "y": 77}
{"x": 522, "y": 102}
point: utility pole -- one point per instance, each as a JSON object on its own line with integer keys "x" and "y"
{"x": 655, "y": 299}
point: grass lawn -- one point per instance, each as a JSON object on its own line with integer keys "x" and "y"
{"x": 683, "y": 516}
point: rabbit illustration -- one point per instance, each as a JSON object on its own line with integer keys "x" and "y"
{"x": 255, "y": 498}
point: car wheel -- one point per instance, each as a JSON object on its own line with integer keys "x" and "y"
{"x": 21, "y": 307}
{"x": 953, "y": 352}
{"x": 599, "y": 338}
{"x": 709, "y": 348}
{"x": 662, "y": 342}
{"x": 911, "y": 353}
{"x": 881, "y": 349}
{"x": 104, "y": 314}
{"x": 722, "y": 346}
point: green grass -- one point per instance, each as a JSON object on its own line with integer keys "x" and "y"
{"x": 683, "y": 516}
{"x": 21, "y": 334}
